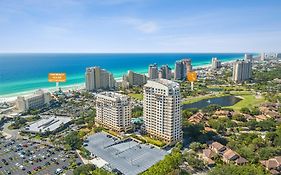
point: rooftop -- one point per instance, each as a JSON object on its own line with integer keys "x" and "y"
{"x": 129, "y": 157}
{"x": 112, "y": 96}
{"x": 48, "y": 124}
{"x": 165, "y": 82}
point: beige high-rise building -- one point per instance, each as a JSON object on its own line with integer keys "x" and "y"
{"x": 262, "y": 57}
{"x": 97, "y": 78}
{"x": 153, "y": 71}
{"x": 187, "y": 66}
{"x": 162, "y": 110}
{"x": 134, "y": 79}
{"x": 37, "y": 100}
{"x": 216, "y": 63}
{"x": 242, "y": 71}
{"x": 182, "y": 67}
{"x": 113, "y": 111}
{"x": 165, "y": 72}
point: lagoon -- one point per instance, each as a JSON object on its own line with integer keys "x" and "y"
{"x": 222, "y": 101}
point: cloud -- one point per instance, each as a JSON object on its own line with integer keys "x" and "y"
{"x": 230, "y": 42}
{"x": 147, "y": 27}
{"x": 116, "y": 2}
{"x": 142, "y": 25}
{"x": 55, "y": 30}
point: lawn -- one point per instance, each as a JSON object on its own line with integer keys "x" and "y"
{"x": 248, "y": 100}
{"x": 154, "y": 141}
{"x": 147, "y": 139}
{"x": 136, "y": 96}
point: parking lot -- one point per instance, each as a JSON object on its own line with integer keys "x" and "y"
{"x": 29, "y": 157}
{"x": 128, "y": 156}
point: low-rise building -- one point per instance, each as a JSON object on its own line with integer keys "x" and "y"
{"x": 208, "y": 156}
{"x": 48, "y": 124}
{"x": 196, "y": 118}
{"x": 37, "y": 100}
{"x": 227, "y": 155}
{"x": 273, "y": 165}
{"x": 222, "y": 113}
{"x": 217, "y": 147}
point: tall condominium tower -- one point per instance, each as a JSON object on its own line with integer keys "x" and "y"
{"x": 165, "y": 72}
{"x": 97, "y": 78}
{"x": 153, "y": 71}
{"x": 187, "y": 66}
{"x": 262, "y": 57}
{"x": 113, "y": 111}
{"x": 182, "y": 67}
{"x": 178, "y": 70}
{"x": 162, "y": 110}
{"x": 216, "y": 63}
{"x": 134, "y": 79}
{"x": 248, "y": 57}
{"x": 242, "y": 70}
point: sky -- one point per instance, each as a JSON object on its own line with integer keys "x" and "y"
{"x": 140, "y": 26}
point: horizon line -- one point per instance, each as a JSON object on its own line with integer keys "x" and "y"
{"x": 130, "y": 52}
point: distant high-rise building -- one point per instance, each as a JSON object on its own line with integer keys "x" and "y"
{"x": 242, "y": 70}
{"x": 262, "y": 57}
{"x": 216, "y": 63}
{"x": 182, "y": 67}
{"x": 134, "y": 79}
{"x": 153, "y": 71}
{"x": 187, "y": 66}
{"x": 165, "y": 72}
{"x": 278, "y": 55}
{"x": 248, "y": 57}
{"x": 113, "y": 111}
{"x": 178, "y": 70}
{"x": 37, "y": 100}
{"x": 97, "y": 78}
{"x": 162, "y": 110}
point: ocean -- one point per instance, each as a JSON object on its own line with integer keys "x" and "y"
{"x": 20, "y": 72}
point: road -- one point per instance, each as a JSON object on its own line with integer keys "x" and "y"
{"x": 10, "y": 133}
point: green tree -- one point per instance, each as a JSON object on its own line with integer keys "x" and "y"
{"x": 137, "y": 111}
{"x": 193, "y": 160}
{"x": 73, "y": 140}
{"x": 239, "y": 117}
{"x": 84, "y": 169}
{"x": 195, "y": 146}
{"x": 211, "y": 108}
{"x": 245, "y": 110}
{"x": 238, "y": 170}
{"x": 167, "y": 165}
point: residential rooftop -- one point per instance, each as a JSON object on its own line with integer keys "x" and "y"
{"x": 112, "y": 96}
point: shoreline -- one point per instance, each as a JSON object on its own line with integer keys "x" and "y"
{"x": 13, "y": 96}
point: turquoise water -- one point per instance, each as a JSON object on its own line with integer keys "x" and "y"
{"x": 25, "y": 72}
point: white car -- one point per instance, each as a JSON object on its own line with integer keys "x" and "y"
{"x": 58, "y": 171}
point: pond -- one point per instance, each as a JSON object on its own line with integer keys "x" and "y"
{"x": 222, "y": 101}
